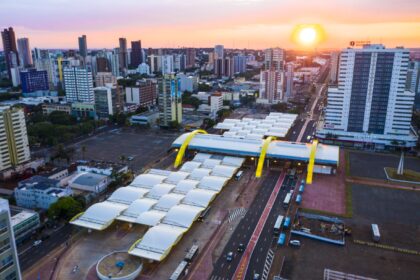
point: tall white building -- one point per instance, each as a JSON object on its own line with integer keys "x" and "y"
{"x": 219, "y": 51}
{"x": 24, "y": 51}
{"x": 167, "y": 64}
{"x": 9, "y": 261}
{"x": 289, "y": 81}
{"x": 14, "y": 144}
{"x": 274, "y": 59}
{"x": 79, "y": 85}
{"x": 334, "y": 64}
{"x": 413, "y": 81}
{"x": 370, "y": 106}
{"x": 271, "y": 87}
{"x": 155, "y": 63}
{"x": 114, "y": 58}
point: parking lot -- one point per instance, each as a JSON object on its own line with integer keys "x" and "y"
{"x": 139, "y": 147}
{"x": 371, "y": 165}
{"x": 395, "y": 212}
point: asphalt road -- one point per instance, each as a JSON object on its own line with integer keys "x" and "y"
{"x": 243, "y": 232}
{"x": 267, "y": 238}
{"x": 33, "y": 255}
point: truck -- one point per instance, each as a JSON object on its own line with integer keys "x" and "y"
{"x": 376, "y": 235}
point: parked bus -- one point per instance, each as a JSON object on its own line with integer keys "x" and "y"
{"x": 204, "y": 214}
{"x": 286, "y": 222}
{"x": 287, "y": 200}
{"x": 376, "y": 235}
{"x": 277, "y": 225}
{"x": 301, "y": 188}
{"x": 238, "y": 175}
{"x": 189, "y": 257}
{"x": 282, "y": 239}
{"x": 180, "y": 271}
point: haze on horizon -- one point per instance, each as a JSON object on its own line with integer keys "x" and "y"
{"x": 204, "y": 23}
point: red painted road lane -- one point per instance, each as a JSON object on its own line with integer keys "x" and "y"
{"x": 244, "y": 262}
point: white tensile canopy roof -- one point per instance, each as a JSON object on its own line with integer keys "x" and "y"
{"x": 199, "y": 197}
{"x": 224, "y": 171}
{"x": 233, "y": 161}
{"x": 182, "y": 215}
{"x": 167, "y": 201}
{"x": 189, "y": 166}
{"x": 147, "y": 180}
{"x": 213, "y": 183}
{"x": 161, "y": 172}
{"x": 100, "y": 215}
{"x": 159, "y": 190}
{"x": 126, "y": 195}
{"x": 201, "y": 157}
{"x": 211, "y": 163}
{"x": 185, "y": 186}
{"x": 138, "y": 207}
{"x": 175, "y": 177}
{"x": 199, "y": 173}
{"x": 158, "y": 242}
{"x": 150, "y": 218}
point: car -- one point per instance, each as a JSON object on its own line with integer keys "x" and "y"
{"x": 37, "y": 243}
{"x": 256, "y": 276}
{"x": 130, "y": 158}
{"x": 295, "y": 243}
{"x": 241, "y": 247}
{"x": 229, "y": 256}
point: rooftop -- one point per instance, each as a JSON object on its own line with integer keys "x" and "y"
{"x": 38, "y": 182}
{"x": 88, "y": 179}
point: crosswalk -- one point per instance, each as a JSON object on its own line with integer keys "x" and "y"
{"x": 238, "y": 212}
{"x": 267, "y": 266}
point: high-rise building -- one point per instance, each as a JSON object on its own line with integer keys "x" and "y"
{"x": 170, "y": 101}
{"x": 413, "y": 81}
{"x": 103, "y": 78}
{"x": 136, "y": 54}
{"x": 239, "y": 63}
{"x": 9, "y": 48}
{"x": 155, "y": 62}
{"x": 14, "y": 145}
{"x": 271, "y": 87}
{"x": 83, "y": 46}
{"x": 123, "y": 54}
{"x": 144, "y": 94}
{"x": 370, "y": 106}
{"x": 188, "y": 82}
{"x": 9, "y": 261}
{"x": 289, "y": 81}
{"x": 219, "y": 51}
{"x": 223, "y": 67}
{"x": 167, "y": 64}
{"x": 24, "y": 51}
{"x": 274, "y": 59}
{"x": 102, "y": 64}
{"x": 334, "y": 64}
{"x": 106, "y": 103}
{"x": 114, "y": 59}
{"x": 179, "y": 62}
{"x": 190, "y": 57}
{"x": 78, "y": 84}
{"x": 33, "y": 80}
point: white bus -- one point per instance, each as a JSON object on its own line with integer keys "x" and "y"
{"x": 278, "y": 224}
{"x": 376, "y": 235}
{"x": 287, "y": 200}
{"x": 238, "y": 175}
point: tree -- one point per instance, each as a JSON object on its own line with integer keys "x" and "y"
{"x": 279, "y": 107}
{"x": 204, "y": 87}
{"x": 64, "y": 208}
{"x": 83, "y": 149}
{"x": 59, "y": 117}
{"x": 122, "y": 158}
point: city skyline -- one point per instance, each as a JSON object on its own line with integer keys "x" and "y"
{"x": 239, "y": 24}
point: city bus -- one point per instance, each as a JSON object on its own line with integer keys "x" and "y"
{"x": 286, "y": 222}
{"x": 376, "y": 235}
{"x": 180, "y": 271}
{"x": 282, "y": 239}
{"x": 189, "y": 257}
{"x": 287, "y": 200}
{"x": 277, "y": 225}
{"x": 238, "y": 175}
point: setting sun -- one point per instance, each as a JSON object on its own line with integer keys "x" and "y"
{"x": 307, "y": 35}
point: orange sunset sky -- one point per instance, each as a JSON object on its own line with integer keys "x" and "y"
{"x": 204, "y": 23}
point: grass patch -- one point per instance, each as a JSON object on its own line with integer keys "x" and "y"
{"x": 409, "y": 175}
{"x": 347, "y": 163}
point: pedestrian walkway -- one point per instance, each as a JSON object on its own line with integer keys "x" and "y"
{"x": 235, "y": 213}
{"x": 267, "y": 266}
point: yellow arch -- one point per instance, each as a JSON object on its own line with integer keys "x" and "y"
{"x": 261, "y": 159}
{"x": 311, "y": 162}
{"x": 184, "y": 146}
{"x": 76, "y": 216}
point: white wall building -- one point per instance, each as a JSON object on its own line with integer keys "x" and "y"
{"x": 167, "y": 64}
{"x": 334, "y": 64}
{"x": 188, "y": 82}
{"x": 271, "y": 87}
{"x": 143, "y": 69}
{"x": 370, "y": 106}
{"x": 274, "y": 59}
{"x": 219, "y": 51}
{"x": 79, "y": 85}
